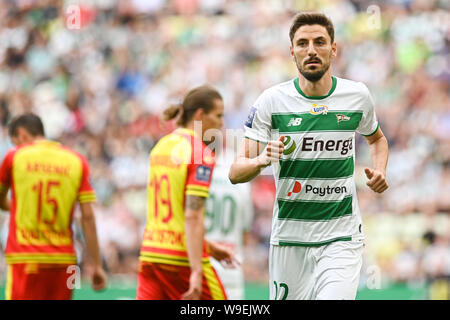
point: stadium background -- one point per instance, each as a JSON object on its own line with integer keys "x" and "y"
{"x": 101, "y": 87}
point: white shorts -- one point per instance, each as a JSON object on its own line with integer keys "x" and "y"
{"x": 329, "y": 272}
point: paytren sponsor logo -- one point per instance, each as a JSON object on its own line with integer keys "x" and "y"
{"x": 321, "y": 191}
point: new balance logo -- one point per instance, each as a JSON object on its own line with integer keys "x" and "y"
{"x": 294, "y": 122}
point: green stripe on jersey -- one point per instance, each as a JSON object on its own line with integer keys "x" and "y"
{"x": 313, "y": 244}
{"x": 332, "y": 121}
{"x": 316, "y": 168}
{"x": 314, "y": 210}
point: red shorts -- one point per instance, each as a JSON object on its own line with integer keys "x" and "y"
{"x": 37, "y": 282}
{"x": 157, "y": 281}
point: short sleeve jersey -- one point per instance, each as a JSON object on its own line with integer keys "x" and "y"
{"x": 46, "y": 180}
{"x": 316, "y": 199}
{"x": 180, "y": 165}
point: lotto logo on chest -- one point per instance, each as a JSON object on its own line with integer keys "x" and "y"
{"x": 318, "y": 109}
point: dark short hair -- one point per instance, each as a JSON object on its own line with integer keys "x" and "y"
{"x": 311, "y": 18}
{"x": 30, "y": 122}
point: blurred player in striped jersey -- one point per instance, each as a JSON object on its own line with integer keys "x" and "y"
{"x": 46, "y": 180}
{"x": 175, "y": 257}
{"x": 229, "y": 215}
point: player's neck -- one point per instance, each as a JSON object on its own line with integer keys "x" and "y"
{"x": 39, "y": 138}
{"x": 29, "y": 139}
{"x": 195, "y": 128}
{"x": 318, "y": 88}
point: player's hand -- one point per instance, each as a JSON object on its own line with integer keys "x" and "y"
{"x": 377, "y": 180}
{"x": 272, "y": 152}
{"x": 195, "y": 287}
{"x": 223, "y": 254}
{"x": 98, "y": 279}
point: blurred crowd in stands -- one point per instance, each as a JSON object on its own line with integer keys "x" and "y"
{"x": 100, "y": 72}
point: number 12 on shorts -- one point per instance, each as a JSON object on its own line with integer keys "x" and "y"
{"x": 281, "y": 290}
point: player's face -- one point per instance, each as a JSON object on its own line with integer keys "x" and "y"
{"x": 312, "y": 51}
{"x": 214, "y": 118}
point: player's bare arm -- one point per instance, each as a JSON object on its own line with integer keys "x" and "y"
{"x": 254, "y": 156}
{"x": 195, "y": 232}
{"x": 90, "y": 233}
{"x": 4, "y": 201}
{"x": 379, "y": 151}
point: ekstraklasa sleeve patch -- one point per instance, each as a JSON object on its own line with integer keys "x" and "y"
{"x": 203, "y": 173}
{"x": 251, "y": 116}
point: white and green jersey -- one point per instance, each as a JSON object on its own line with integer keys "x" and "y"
{"x": 316, "y": 199}
{"x": 229, "y": 212}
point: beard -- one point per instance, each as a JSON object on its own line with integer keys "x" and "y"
{"x": 313, "y": 75}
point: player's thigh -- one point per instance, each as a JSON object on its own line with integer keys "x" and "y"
{"x": 174, "y": 281}
{"x": 15, "y": 282}
{"x": 52, "y": 283}
{"x": 291, "y": 271}
{"x": 37, "y": 282}
{"x": 338, "y": 271}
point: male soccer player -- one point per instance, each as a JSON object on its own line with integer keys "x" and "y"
{"x": 229, "y": 215}
{"x": 46, "y": 180}
{"x": 305, "y": 128}
{"x": 174, "y": 257}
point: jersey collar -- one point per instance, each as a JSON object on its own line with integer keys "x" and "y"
{"x": 47, "y": 142}
{"x": 333, "y": 87}
{"x": 187, "y": 131}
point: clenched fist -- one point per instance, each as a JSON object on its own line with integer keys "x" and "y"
{"x": 272, "y": 152}
{"x": 377, "y": 180}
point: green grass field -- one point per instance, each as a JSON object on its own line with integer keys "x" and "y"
{"x": 119, "y": 290}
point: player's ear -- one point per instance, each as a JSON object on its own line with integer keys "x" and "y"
{"x": 15, "y": 140}
{"x": 23, "y": 136}
{"x": 199, "y": 113}
{"x": 334, "y": 50}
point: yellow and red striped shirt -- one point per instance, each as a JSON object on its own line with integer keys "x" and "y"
{"x": 180, "y": 164}
{"x": 46, "y": 181}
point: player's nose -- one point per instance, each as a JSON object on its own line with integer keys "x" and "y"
{"x": 311, "y": 49}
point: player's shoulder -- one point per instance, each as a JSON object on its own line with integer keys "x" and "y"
{"x": 18, "y": 150}
{"x": 175, "y": 139}
{"x": 282, "y": 88}
{"x": 72, "y": 152}
{"x": 269, "y": 99}
{"x": 347, "y": 86}
{"x": 9, "y": 155}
